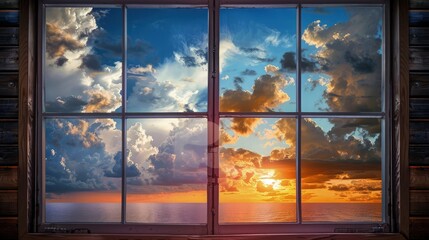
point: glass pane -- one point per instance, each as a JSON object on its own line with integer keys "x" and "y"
{"x": 341, "y": 170}
{"x": 83, "y": 170}
{"x": 257, "y": 58}
{"x": 342, "y": 59}
{"x": 257, "y": 170}
{"x": 83, "y": 66}
{"x": 167, "y": 170}
{"x": 167, "y": 60}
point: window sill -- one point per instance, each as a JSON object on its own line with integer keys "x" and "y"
{"x": 337, "y": 236}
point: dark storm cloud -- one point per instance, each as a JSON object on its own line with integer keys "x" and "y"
{"x": 68, "y": 104}
{"x": 288, "y": 63}
{"x": 116, "y": 172}
{"x": 91, "y": 62}
{"x": 237, "y": 83}
{"x": 361, "y": 64}
{"x": 76, "y": 159}
{"x": 249, "y": 72}
{"x": 60, "y": 61}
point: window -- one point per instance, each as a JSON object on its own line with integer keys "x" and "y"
{"x": 213, "y": 119}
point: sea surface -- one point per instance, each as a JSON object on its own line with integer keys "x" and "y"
{"x": 189, "y": 213}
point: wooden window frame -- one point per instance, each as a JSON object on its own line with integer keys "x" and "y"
{"x": 27, "y": 160}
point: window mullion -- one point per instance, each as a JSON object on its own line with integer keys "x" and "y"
{"x": 123, "y": 119}
{"x": 299, "y": 115}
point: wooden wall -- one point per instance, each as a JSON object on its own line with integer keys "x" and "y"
{"x": 9, "y": 85}
{"x": 10, "y": 95}
{"x": 419, "y": 118}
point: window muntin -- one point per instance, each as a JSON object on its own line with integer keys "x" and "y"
{"x": 297, "y": 114}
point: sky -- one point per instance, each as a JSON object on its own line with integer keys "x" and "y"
{"x": 167, "y": 71}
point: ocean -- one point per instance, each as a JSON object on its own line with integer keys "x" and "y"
{"x": 194, "y": 213}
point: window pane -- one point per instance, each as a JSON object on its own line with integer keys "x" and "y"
{"x": 257, "y": 170}
{"x": 342, "y": 59}
{"x": 167, "y": 60}
{"x": 257, "y": 58}
{"x": 83, "y": 170}
{"x": 83, "y": 66}
{"x": 167, "y": 170}
{"x": 341, "y": 169}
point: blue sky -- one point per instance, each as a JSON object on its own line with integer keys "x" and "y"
{"x": 167, "y": 71}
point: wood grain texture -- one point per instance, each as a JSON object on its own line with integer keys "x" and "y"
{"x": 27, "y": 79}
{"x": 419, "y": 58}
{"x": 419, "y": 4}
{"x": 419, "y": 178}
{"x": 419, "y": 18}
{"x": 419, "y": 228}
{"x": 400, "y": 141}
{"x": 8, "y": 132}
{"x": 419, "y": 156}
{"x": 419, "y": 133}
{"x": 419, "y": 85}
{"x": 221, "y": 237}
{"x": 8, "y": 203}
{"x": 8, "y": 85}
{"x": 419, "y": 200}
{"x": 419, "y": 108}
{"x": 8, "y": 178}
{"x": 9, "y": 229}
{"x": 419, "y": 36}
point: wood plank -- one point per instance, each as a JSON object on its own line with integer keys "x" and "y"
{"x": 8, "y": 178}
{"x": 419, "y": 4}
{"x": 419, "y": 133}
{"x": 419, "y": 18}
{"x": 27, "y": 79}
{"x": 419, "y": 229}
{"x": 419, "y": 108}
{"x": 419, "y": 178}
{"x": 8, "y": 132}
{"x": 400, "y": 106}
{"x": 9, "y": 107}
{"x": 8, "y": 156}
{"x": 8, "y": 203}
{"x": 8, "y": 84}
{"x": 9, "y": 18}
{"x": 419, "y": 156}
{"x": 9, "y": 36}
{"x": 419, "y": 203}
{"x": 419, "y": 36}
{"x": 9, "y": 229}
{"x": 419, "y": 85}
{"x": 419, "y": 58}
{"x": 319, "y": 236}
{"x": 9, "y": 58}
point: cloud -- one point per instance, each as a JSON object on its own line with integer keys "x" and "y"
{"x": 349, "y": 53}
{"x": 288, "y": 63}
{"x": 73, "y": 66}
{"x": 249, "y": 72}
{"x": 267, "y": 94}
{"x": 91, "y": 62}
{"x": 168, "y": 88}
{"x": 76, "y": 159}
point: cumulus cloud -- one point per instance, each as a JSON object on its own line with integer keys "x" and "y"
{"x": 349, "y": 53}
{"x": 288, "y": 63}
{"x": 76, "y": 159}
{"x": 179, "y": 84}
{"x": 73, "y": 66}
{"x": 268, "y": 93}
